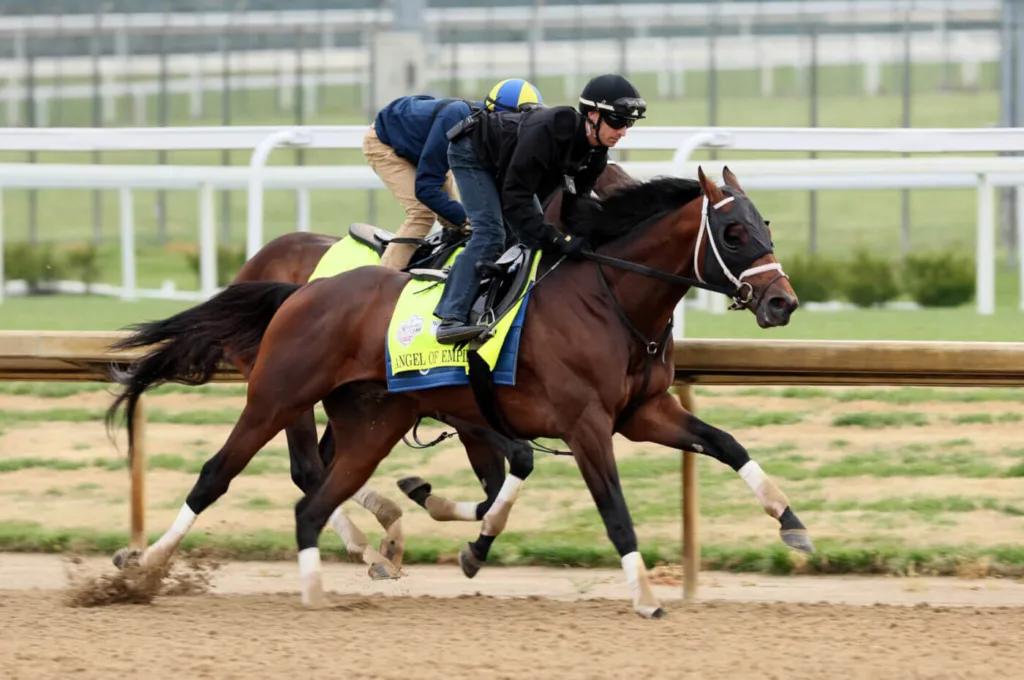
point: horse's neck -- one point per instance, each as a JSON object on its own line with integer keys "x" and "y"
{"x": 649, "y": 302}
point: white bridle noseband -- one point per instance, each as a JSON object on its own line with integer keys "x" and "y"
{"x": 737, "y": 281}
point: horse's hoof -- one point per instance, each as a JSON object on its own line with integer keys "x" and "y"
{"x": 393, "y": 550}
{"x": 126, "y": 557}
{"x": 651, "y": 612}
{"x": 469, "y": 562}
{"x": 383, "y": 571}
{"x": 416, "y": 488}
{"x": 797, "y": 539}
{"x": 313, "y": 592}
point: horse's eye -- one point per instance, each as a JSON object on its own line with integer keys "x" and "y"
{"x": 735, "y": 235}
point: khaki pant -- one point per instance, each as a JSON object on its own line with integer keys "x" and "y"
{"x": 399, "y": 176}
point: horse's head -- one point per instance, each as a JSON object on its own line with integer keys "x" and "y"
{"x": 734, "y": 248}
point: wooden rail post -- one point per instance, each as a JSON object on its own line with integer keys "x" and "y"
{"x": 691, "y": 507}
{"x": 138, "y": 477}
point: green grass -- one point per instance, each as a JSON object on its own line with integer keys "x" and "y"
{"x": 261, "y": 465}
{"x": 881, "y": 419}
{"x": 986, "y": 418}
{"x": 900, "y": 395}
{"x": 258, "y": 503}
{"x": 730, "y": 418}
{"x": 58, "y": 390}
{"x": 555, "y": 549}
{"x": 908, "y": 461}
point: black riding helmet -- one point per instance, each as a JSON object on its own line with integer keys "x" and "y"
{"x": 616, "y": 100}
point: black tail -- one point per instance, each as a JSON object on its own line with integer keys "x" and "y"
{"x": 192, "y": 342}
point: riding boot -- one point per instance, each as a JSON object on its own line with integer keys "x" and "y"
{"x": 453, "y": 331}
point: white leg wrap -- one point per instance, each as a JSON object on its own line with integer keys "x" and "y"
{"x": 752, "y": 474}
{"x": 384, "y": 509}
{"x": 771, "y": 498}
{"x": 355, "y": 540}
{"x": 351, "y": 536}
{"x": 158, "y": 553}
{"x": 309, "y": 571}
{"x": 497, "y": 516}
{"x": 444, "y": 510}
{"x": 465, "y": 511}
{"x": 309, "y": 562}
{"x": 644, "y": 602}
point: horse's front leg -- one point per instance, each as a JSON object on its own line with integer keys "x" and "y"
{"x": 663, "y": 420}
{"x": 591, "y": 445}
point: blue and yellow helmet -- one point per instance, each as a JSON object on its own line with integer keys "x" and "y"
{"x": 513, "y": 94}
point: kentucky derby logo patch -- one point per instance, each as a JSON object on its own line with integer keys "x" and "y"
{"x": 408, "y": 330}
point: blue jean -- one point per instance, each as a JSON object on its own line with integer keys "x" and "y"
{"x": 480, "y": 198}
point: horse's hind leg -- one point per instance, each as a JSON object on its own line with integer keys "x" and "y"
{"x": 487, "y": 453}
{"x": 367, "y": 423}
{"x": 387, "y": 512}
{"x": 255, "y": 427}
{"x": 306, "y": 467}
{"x": 473, "y": 555}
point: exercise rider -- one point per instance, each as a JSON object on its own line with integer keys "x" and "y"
{"x": 407, "y": 146}
{"x": 506, "y": 163}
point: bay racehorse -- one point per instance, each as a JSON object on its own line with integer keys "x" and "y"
{"x": 292, "y": 258}
{"x": 595, "y": 345}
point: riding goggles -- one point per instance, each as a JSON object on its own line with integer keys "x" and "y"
{"x": 626, "y": 111}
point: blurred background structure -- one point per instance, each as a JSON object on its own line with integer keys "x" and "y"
{"x": 797, "y": 63}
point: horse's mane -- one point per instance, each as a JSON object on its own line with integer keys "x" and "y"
{"x": 604, "y": 220}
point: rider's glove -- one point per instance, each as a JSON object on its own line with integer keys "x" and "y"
{"x": 571, "y": 246}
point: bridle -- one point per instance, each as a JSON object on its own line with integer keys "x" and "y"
{"x": 739, "y": 298}
{"x": 741, "y": 292}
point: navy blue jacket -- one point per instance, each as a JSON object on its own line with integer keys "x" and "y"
{"x": 405, "y": 126}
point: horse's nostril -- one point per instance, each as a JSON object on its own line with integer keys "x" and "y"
{"x": 782, "y": 304}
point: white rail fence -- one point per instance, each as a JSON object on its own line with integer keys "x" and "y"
{"x": 132, "y": 77}
{"x": 982, "y": 173}
{"x": 943, "y": 31}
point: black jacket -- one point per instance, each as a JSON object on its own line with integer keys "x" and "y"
{"x": 530, "y": 154}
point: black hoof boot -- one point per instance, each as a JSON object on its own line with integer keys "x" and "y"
{"x": 416, "y": 488}
{"x": 794, "y": 533}
{"x": 469, "y": 562}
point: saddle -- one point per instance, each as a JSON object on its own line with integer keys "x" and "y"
{"x": 431, "y": 252}
{"x": 502, "y": 282}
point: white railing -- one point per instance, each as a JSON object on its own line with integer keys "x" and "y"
{"x": 671, "y": 59}
{"x": 983, "y": 173}
{"x": 639, "y": 15}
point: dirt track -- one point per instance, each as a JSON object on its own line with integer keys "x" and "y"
{"x": 434, "y": 624}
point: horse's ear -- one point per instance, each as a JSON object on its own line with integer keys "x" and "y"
{"x": 711, "y": 189}
{"x": 730, "y": 179}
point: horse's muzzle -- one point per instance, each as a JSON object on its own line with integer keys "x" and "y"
{"x": 776, "y": 309}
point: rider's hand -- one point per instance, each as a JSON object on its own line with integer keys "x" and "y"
{"x": 571, "y": 246}
{"x": 452, "y": 228}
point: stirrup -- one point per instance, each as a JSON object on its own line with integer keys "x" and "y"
{"x": 459, "y": 334}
